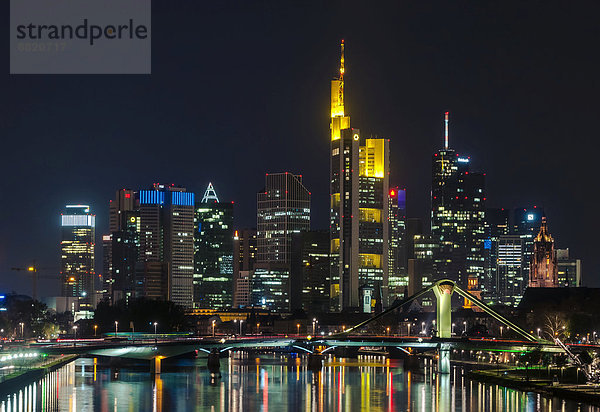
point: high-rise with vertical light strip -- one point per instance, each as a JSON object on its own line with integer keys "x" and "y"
{"x": 359, "y": 207}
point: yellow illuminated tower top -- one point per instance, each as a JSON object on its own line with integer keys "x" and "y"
{"x": 338, "y": 119}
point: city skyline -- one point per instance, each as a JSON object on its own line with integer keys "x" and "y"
{"x": 561, "y": 194}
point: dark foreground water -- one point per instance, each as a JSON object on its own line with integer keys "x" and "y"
{"x": 272, "y": 383}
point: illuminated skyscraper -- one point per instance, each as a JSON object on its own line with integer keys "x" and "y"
{"x": 398, "y": 275}
{"x": 121, "y": 246}
{"x": 509, "y": 281}
{"x": 569, "y": 269}
{"x": 283, "y": 208}
{"x": 244, "y": 259}
{"x": 78, "y": 241}
{"x": 310, "y": 271}
{"x": 526, "y": 224}
{"x": 213, "y": 252}
{"x": 359, "y": 185}
{"x": 458, "y": 218}
{"x": 496, "y": 225}
{"x": 166, "y": 265}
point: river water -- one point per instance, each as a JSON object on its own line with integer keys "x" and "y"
{"x": 271, "y": 382}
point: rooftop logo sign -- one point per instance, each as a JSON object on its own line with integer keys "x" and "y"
{"x": 80, "y": 36}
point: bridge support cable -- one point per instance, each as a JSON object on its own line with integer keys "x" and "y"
{"x": 495, "y": 314}
{"x": 385, "y": 312}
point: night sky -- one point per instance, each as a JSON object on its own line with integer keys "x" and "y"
{"x": 237, "y": 91}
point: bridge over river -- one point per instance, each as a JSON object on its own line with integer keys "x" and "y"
{"x": 350, "y": 340}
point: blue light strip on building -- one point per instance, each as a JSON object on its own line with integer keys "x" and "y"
{"x": 152, "y": 197}
{"x": 182, "y": 199}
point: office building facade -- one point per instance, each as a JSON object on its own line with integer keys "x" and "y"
{"x": 397, "y": 262}
{"x": 213, "y": 252}
{"x": 244, "y": 259}
{"x": 78, "y": 241}
{"x": 165, "y": 267}
{"x": 310, "y": 271}
{"x": 568, "y": 269}
{"x": 510, "y": 282}
{"x": 359, "y": 207}
{"x": 458, "y": 218}
{"x": 283, "y": 209}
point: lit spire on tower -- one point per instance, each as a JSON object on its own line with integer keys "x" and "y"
{"x": 210, "y": 194}
{"x": 446, "y": 131}
{"x": 337, "y": 101}
{"x": 341, "y": 89}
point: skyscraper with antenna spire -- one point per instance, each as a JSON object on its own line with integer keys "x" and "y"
{"x": 359, "y": 185}
{"x": 457, "y": 216}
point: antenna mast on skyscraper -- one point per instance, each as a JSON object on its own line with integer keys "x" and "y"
{"x": 341, "y": 90}
{"x": 446, "y": 131}
{"x": 210, "y": 194}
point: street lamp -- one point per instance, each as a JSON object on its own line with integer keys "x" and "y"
{"x": 538, "y": 331}
{"x": 388, "y": 330}
{"x": 298, "y": 328}
{"x": 116, "y": 327}
{"x": 155, "y": 325}
{"x": 213, "y": 327}
{"x": 95, "y": 329}
{"x": 75, "y": 329}
{"x": 453, "y": 325}
{"x": 314, "y": 322}
{"x": 501, "y": 328}
{"x": 422, "y": 328}
{"x": 241, "y": 321}
{"x": 22, "y": 329}
{"x": 257, "y": 328}
{"x": 465, "y": 325}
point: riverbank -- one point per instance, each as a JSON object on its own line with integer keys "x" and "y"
{"x": 20, "y": 379}
{"x": 580, "y": 392}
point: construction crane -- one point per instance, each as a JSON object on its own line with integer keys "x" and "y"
{"x": 33, "y": 271}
